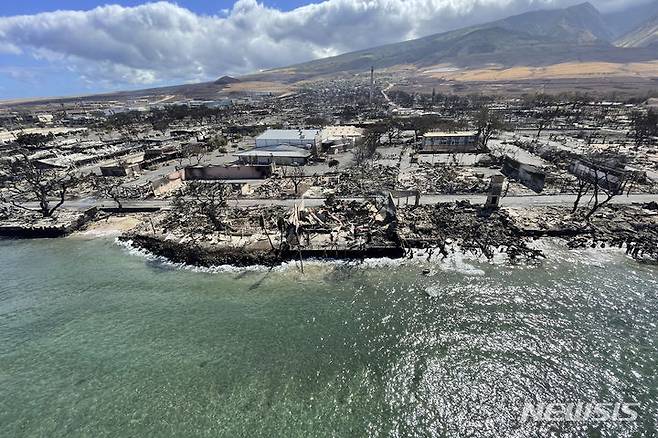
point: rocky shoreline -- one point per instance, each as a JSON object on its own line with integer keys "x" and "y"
{"x": 364, "y": 231}
{"x": 437, "y": 229}
{"x": 195, "y": 254}
{"x": 29, "y": 227}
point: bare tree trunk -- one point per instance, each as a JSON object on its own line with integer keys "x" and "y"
{"x": 118, "y": 202}
{"x": 597, "y": 205}
{"x": 59, "y": 204}
{"x": 583, "y": 188}
{"x": 44, "y": 206}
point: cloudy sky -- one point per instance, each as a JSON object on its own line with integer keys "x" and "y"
{"x": 73, "y": 47}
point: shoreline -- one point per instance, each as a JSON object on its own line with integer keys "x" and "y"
{"x": 438, "y": 230}
{"x": 428, "y": 261}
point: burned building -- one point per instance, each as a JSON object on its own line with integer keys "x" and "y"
{"x": 340, "y": 138}
{"x": 450, "y": 142}
{"x": 608, "y": 177}
{"x": 128, "y": 166}
{"x": 530, "y": 175}
{"x": 120, "y": 169}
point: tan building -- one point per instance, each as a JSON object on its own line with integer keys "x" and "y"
{"x": 341, "y": 133}
{"x": 339, "y": 138}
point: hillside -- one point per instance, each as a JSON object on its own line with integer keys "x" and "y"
{"x": 629, "y": 19}
{"x": 538, "y": 38}
{"x": 227, "y": 80}
{"x": 581, "y": 23}
{"x": 643, "y": 36}
{"x": 568, "y": 45}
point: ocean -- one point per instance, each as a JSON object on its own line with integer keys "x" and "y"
{"x": 98, "y": 340}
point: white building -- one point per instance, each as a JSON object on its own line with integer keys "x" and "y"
{"x": 284, "y": 155}
{"x": 306, "y": 138}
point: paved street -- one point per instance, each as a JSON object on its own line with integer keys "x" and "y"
{"x": 510, "y": 201}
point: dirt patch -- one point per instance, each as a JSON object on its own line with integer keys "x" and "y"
{"x": 260, "y": 86}
{"x": 110, "y": 225}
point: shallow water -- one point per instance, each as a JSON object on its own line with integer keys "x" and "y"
{"x": 97, "y": 341}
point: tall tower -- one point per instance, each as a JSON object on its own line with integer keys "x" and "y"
{"x": 372, "y": 83}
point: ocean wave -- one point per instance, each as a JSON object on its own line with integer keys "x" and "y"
{"x": 140, "y": 252}
{"x": 95, "y": 234}
{"x": 457, "y": 260}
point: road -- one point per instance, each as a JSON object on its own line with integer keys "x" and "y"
{"x": 528, "y": 201}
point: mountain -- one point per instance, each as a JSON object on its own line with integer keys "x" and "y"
{"x": 226, "y": 80}
{"x": 628, "y": 19}
{"x": 569, "y": 46}
{"x": 643, "y": 36}
{"x": 538, "y": 38}
{"x": 580, "y": 23}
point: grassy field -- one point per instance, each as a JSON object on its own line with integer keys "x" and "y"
{"x": 556, "y": 71}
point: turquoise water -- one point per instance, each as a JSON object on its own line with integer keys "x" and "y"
{"x": 96, "y": 341}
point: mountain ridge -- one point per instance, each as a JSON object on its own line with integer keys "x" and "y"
{"x": 582, "y": 22}
{"x": 645, "y": 35}
{"x": 533, "y": 38}
{"x": 629, "y": 19}
{"x": 577, "y": 35}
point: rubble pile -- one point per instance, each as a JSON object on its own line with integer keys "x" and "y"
{"x": 466, "y": 226}
{"x": 441, "y": 178}
{"x": 346, "y": 225}
{"x": 561, "y": 158}
{"x": 349, "y": 229}
{"x": 240, "y": 222}
{"x": 143, "y": 191}
{"x": 633, "y": 228}
{"x": 273, "y": 188}
{"x": 367, "y": 179}
{"x": 7, "y": 211}
{"x": 268, "y": 235}
{"x": 21, "y": 223}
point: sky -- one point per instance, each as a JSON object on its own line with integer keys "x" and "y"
{"x": 74, "y": 47}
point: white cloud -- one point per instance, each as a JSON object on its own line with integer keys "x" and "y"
{"x": 161, "y": 41}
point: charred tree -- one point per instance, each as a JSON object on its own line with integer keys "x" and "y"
{"x": 109, "y": 187}
{"x": 204, "y": 200}
{"x": 28, "y": 182}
